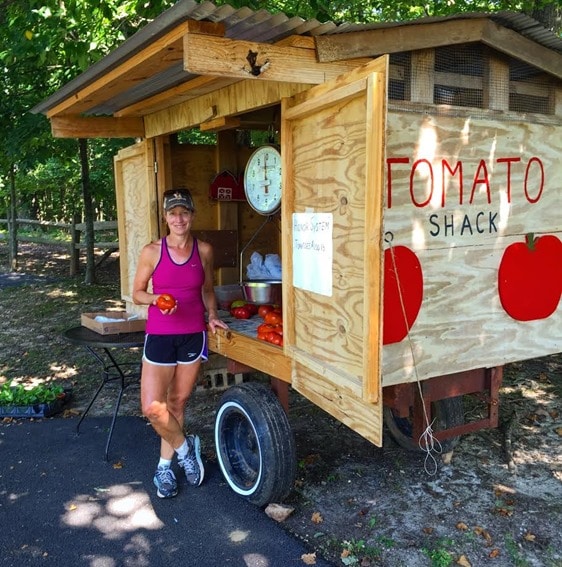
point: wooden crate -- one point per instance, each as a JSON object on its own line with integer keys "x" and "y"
{"x": 121, "y": 322}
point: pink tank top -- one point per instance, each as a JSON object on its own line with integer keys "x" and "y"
{"x": 183, "y": 281}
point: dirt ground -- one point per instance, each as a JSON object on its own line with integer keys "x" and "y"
{"x": 498, "y": 502}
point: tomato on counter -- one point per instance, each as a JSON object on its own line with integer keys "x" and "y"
{"x": 273, "y": 318}
{"x": 241, "y": 313}
{"x": 263, "y": 310}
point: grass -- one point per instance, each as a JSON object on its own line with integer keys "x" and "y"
{"x": 33, "y": 349}
{"x": 439, "y": 554}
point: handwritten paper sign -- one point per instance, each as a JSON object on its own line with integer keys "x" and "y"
{"x": 313, "y": 252}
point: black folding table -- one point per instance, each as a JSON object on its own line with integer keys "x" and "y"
{"x": 101, "y": 347}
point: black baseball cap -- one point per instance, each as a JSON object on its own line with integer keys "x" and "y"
{"x": 178, "y": 198}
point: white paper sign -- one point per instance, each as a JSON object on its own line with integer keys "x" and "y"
{"x": 313, "y": 252}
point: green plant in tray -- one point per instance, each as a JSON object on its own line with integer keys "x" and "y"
{"x": 18, "y": 395}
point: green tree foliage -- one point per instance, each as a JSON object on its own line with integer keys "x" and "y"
{"x": 46, "y": 43}
{"x": 364, "y": 11}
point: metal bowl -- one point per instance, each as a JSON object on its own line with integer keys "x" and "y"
{"x": 262, "y": 291}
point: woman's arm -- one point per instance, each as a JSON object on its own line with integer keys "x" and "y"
{"x": 208, "y": 290}
{"x": 147, "y": 261}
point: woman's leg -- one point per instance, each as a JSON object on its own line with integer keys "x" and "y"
{"x": 180, "y": 389}
{"x": 156, "y": 382}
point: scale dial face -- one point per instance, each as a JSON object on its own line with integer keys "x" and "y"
{"x": 262, "y": 180}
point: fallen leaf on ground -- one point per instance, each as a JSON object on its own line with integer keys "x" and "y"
{"x": 278, "y": 512}
{"x": 494, "y": 553}
{"x": 461, "y": 526}
{"x": 118, "y": 465}
{"x": 530, "y": 537}
{"x": 428, "y": 530}
{"x": 70, "y": 413}
{"x": 559, "y": 431}
{"x": 317, "y": 518}
{"x": 482, "y": 532}
{"x": 309, "y": 558}
{"x": 463, "y": 561}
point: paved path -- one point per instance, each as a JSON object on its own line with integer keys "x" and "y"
{"x": 62, "y": 504}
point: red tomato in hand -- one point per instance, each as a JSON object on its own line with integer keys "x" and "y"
{"x": 165, "y": 301}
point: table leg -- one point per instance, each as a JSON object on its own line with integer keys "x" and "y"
{"x": 107, "y": 368}
{"x": 105, "y": 380}
{"x": 117, "y": 403}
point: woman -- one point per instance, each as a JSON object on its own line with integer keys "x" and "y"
{"x": 176, "y": 340}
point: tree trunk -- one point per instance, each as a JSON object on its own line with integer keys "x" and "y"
{"x": 90, "y": 277}
{"x": 12, "y": 221}
{"x": 549, "y": 15}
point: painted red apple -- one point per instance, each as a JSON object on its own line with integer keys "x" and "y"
{"x": 403, "y": 293}
{"x": 530, "y": 277}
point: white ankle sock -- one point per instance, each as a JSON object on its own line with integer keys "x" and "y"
{"x": 182, "y": 449}
{"x": 165, "y": 463}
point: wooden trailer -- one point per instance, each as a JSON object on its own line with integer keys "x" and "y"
{"x": 420, "y": 218}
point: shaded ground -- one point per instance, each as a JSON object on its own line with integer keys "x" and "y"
{"x": 377, "y": 506}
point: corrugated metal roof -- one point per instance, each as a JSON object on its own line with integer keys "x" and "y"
{"x": 246, "y": 24}
{"x": 520, "y": 23}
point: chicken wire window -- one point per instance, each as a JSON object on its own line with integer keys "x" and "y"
{"x": 472, "y": 76}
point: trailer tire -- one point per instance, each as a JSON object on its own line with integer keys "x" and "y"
{"x": 447, "y": 413}
{"x": 255, "y": 445}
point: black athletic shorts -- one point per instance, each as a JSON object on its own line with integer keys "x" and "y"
{"x": 170, "y": 350}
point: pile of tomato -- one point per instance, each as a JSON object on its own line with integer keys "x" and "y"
{"x": 271, "y": 330}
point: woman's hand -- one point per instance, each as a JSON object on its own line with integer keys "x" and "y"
{"x": 170, "y": 311}
{"x": 216, "y": 323}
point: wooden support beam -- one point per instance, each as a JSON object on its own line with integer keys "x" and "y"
{"x": 372, "y": 43}
{"x": 243, "y": 96}
{"x": 206, "y": 55}
{"x": 422, "y": 79}
{"x": 96, "y": 127}
{"x": 219, "y": 124}
{"x": 495, "y": 83}
{"x": 189, "y": 90}
{"x": 199, "y": 85}
{"x": 515, "y": 45}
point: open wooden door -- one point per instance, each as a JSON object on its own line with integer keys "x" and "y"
{"x": 333, "y": 152}
{"x": 137, "y": 209}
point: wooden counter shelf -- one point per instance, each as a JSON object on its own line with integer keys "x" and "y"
{"x": 239, "y": 344}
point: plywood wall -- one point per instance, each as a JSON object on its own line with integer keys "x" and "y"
{"x": 458, "y": 192}
{"x": 136, "y": 210}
